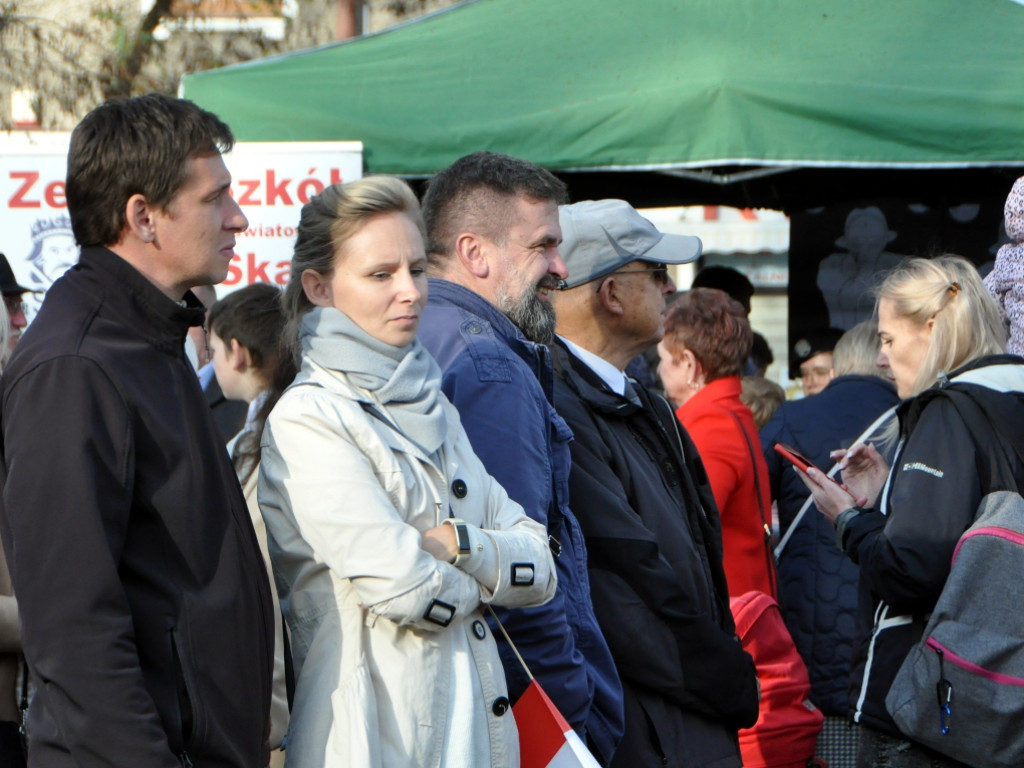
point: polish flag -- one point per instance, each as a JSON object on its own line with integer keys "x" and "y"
{"x": 546, "y": 740}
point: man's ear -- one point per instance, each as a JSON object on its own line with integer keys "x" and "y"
{"x": 317, "y": 288}
{"x": 139, "y": 218}
{"x": 608, "y": 293}
{"x": 472, "y": 250}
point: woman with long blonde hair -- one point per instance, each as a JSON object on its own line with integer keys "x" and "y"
{"x": 939, "y": 328}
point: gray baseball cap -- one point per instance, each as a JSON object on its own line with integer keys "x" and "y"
{"x": 599, "y": 236}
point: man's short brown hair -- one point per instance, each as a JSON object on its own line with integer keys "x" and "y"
{"x": 475, "y": 194}
{"x": 134, "y": 146}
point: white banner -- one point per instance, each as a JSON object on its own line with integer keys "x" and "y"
{"x": 271, "y": 181}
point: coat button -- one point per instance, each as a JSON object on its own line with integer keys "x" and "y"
{"x": 474, "y": 328}
{"x": 478, "y": 630}
{"x": 500, "y": 706}
{"x": 459, "y": 489}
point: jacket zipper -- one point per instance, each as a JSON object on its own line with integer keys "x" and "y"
{"x": 969, "y": 666}
{"x": 186, "y": 701}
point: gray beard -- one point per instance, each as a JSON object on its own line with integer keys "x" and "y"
{"x": 535, "y": 318}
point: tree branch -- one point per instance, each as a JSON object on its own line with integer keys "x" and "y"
{"x": 121, "y": 84}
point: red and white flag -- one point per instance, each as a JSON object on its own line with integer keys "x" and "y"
{"x": 546, "y": 740}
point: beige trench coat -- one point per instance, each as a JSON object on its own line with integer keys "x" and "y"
{"x": 345, "y": 497}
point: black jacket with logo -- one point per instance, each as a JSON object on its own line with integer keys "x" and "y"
{"x": 145, "y": 606}
{"x": 904, "y": 549}
{"x": 655, "y": 560}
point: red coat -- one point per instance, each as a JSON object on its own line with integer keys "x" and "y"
{"x": 709, "y": 418}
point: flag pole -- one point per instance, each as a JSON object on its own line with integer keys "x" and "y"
{"x": 508, "y": 640}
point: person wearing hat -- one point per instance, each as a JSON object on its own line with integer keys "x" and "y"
{"x": 643, "y": 499}
{"x": 11, "y": 662}
{"x": 13, "y": 292}
{"x": 811, "y": 360}
{"x": 847, "y": 278}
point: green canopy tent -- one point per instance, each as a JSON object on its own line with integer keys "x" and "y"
{"x": 772, "y": 103}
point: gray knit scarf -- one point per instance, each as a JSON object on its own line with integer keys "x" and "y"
{"x": 406, "y": 380}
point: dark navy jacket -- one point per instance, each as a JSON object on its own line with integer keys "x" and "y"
{"x": 817, "y": 583}
{"x": 502, "y": 384}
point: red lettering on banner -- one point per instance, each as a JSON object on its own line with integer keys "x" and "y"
{"x": 284, "y": 269}
{"x": 306, "y": 185}
{"x": 336, "y": 176}
{"x": 54, "y": 195}
{"x": 29, "y": 178}
{"x": 257, "y": 270}
{"x": 234, "y": 271}
{"x": 250, "y": 185}
{"x": 275, "y": 190}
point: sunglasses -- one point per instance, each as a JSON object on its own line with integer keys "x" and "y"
{"x": 659, "y": 272}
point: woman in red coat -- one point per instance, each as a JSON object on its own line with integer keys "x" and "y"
{"x": 707, "y": 339}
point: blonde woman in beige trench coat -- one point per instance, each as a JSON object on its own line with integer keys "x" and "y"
{"x": 386, "y": 533}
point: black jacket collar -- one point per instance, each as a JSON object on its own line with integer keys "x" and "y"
{"x": 590, "y": 387}
{"x": 128, "y": 295}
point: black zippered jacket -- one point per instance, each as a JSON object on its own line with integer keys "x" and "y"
{"x": 654, "y": 540}
{"x": 904, "y": 548}
{"x": 145, "y": 606}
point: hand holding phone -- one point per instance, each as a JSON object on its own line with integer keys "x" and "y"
{"x": 792, "y": 455}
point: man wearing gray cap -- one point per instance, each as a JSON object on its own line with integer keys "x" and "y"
{"x": 643, "y": 499}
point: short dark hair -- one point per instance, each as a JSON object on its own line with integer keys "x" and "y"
{"x": 254, "y": 315}
{"x": 761, "y": 353}
{"x": 727, "y": 279}
{"x": 134, "y": 146}
{"x": 713, "y": 326}
{"x": 475, "y": 192}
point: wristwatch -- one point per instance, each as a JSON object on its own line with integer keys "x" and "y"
{"x": 461, "y": 539}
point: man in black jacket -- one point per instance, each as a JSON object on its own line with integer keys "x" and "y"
{"x": 643, "y": 499}
{"x": 145, "y": 608}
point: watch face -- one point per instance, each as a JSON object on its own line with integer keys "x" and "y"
{"x": 462, "y": 536}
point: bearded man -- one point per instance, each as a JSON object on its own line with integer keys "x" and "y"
{"x": 492, "y": 223}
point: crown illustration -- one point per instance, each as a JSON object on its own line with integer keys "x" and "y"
{"x": 58, "y": 225}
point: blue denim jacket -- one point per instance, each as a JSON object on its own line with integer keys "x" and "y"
{"x": 502, "y": 385}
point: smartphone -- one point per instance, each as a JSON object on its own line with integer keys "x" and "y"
{"x": 794, "y": 456}
{"x": 791, "y": 454}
